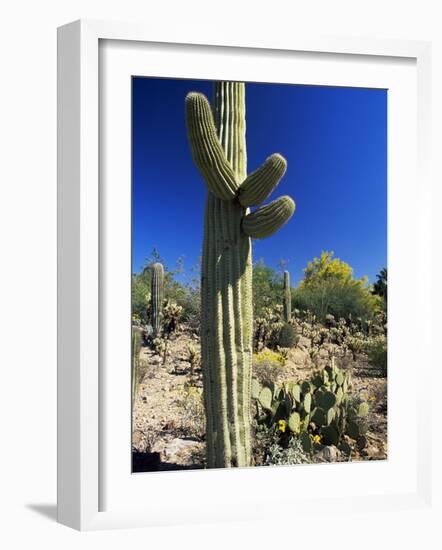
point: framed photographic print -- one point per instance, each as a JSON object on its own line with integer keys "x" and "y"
{"x": 231, "y": 216}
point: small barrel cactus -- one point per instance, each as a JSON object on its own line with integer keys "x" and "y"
{"x": 218, "y": 146}
{"x": 156, "y": 298}
{"x": 287, "y": 297}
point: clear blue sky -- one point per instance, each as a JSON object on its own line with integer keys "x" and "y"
{"x": 335, "y": 143}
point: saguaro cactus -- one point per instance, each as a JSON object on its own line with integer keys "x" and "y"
{"x": 157, "y": 297}
{"x": 287, "y": 297}
{"x": 219, "y": 150}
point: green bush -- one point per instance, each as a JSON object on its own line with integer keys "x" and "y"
{"x": 377, "y": 353}
{"x": 329, "y": 288}
{"x": 267, "y": 288}
{"x": 340, "y": 299}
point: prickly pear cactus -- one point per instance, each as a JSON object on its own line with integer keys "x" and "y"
{"x": 287, "y": 297}
{"x": 218, "y": 146}
{"x": 157, "y": 297}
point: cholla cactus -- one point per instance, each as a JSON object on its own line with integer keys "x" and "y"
{"x": 355, "y": 343}
{"x": 159, "y": 345}
{"x": 194, "y": 358}
{"x": 171, "y": 316}
{"x": 219, "y": 150}
{"x": 267, "y": 327}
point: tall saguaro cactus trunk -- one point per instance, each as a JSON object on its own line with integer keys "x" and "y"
{"x": 157, "y": 297}
{"x": 287, "y": 298}
{"x": 218, "y": 146}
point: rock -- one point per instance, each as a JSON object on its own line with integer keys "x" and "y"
{"x": 329, "y": 453}
{"x": 176, "y": 446}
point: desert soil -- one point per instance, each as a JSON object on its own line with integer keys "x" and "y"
{"x": 168, "y": 416}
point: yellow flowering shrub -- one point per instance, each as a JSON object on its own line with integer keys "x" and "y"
{"x": 268, "y": 356}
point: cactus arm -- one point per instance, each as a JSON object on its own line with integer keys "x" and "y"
{"x": 266, "y": 220}
{"x": 206, "y": 148}
{"x": 260, "y": 183}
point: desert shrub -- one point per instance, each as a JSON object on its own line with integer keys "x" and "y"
{"x": 191, "y": 406}
{"x": 267, "y": 288}
{"x": 268, "y": 356}
{"x": 140, "y": 296}
{"x": 187, "y": 297}
{"x": 377, "y": 353}
{"x": 342, "y": 300}
{"x": 267, "y": 365}
{"x": 381, "y": 285}
{"x": 328, "y": 288}
{"x": 288, "y": 338}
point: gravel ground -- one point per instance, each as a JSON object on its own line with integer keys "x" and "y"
{"x": 168, "y": 416}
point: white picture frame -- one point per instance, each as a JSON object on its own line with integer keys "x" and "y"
{"x": 80, "y": 262}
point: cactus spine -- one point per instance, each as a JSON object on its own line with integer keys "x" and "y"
{"x": 218, "y": 148}
{"x": 287, "y": 297}
{"x": 157, "y": 297}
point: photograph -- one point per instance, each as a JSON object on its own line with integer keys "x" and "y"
{"x": 259, "y": 274}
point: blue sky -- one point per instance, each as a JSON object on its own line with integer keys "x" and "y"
{"x": 335, "y": 143}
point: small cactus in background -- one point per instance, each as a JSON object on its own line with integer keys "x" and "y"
{"x": 218, "y": 146}
{"x": 157, "y": 297}
{"x": 194, "y": 358}
{"x": 287, "y": 298}
{"x": 171, "y": 315}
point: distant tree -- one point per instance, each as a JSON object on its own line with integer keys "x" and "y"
{"x": 326, "y": 268}
{"x": 380, "y": 286}
{"x": 267, "y": 287}
{"x": 328, "y": 287}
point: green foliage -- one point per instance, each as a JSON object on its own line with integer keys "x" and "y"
{"x": 326, "y": 268}
{"x": 141, "y": 283}
{"x": 380, "y": 286}
{"x": 377, "y": 353}
{"x": 284, "y": 453}
{"x": 266, "y": 288}
{"x": 186, "y": 295}
{"x": 329, "y": 288}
